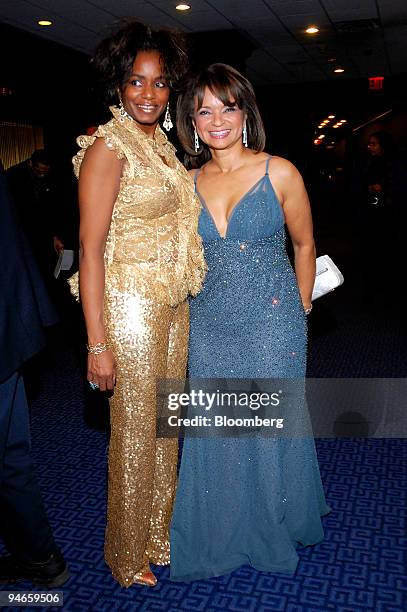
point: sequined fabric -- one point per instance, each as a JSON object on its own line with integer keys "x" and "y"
{"x": 246, "y": 500}
{"x": 149, "y": 341}
{"x": 153, "y": 259}
{"x": 152, "y": 241}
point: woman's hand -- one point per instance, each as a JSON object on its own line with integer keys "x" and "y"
{"x": 58, "y": 245}
{"x": 102, "y": 370}
{"x": 307, "y": 307}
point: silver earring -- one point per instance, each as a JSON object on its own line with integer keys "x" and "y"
{"x": 196, "y": 141}
{"x": 244, "y": 136}
{"x": 167, "y": 123}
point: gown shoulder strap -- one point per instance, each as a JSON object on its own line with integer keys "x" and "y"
{"x": 267, "y": 164}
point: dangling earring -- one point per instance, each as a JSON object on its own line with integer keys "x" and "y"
{"x": 167, "y": 123}
{"x": 244, "y": 136}
{"x": 196, "y": 140}
{"x": 122, "y": 111}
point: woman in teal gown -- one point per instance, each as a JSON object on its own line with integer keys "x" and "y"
{"x": 245, "y": 499}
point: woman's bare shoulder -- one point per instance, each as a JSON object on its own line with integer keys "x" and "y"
{"x": 283, "y": 167}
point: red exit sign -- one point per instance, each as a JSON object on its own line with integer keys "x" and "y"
{"x": 376, "y": 83}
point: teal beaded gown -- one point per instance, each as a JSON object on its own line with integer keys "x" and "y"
{"x": 246, "y": 500}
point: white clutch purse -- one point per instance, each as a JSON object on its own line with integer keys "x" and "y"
{"x": 328, "y": 277}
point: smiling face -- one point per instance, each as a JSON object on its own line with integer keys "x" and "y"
{"x": 146, "y": 92}
{"x": 219, "y": 126}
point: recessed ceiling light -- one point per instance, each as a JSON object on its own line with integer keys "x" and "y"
{"x": 331, "y": 116}
{"x": 343, "y": 121}
{"x": 44, "y": 22}
{"x": 183, "y": 7}
{"x": 312, "y": 29}
{"x": 339, "y": 70}
{"x": 321, "y": 136}
{"x": 336, "y": 126}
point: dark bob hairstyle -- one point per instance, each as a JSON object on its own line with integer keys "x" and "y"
{"x": 231, "y": 87}
{"x": 115, "y": 55}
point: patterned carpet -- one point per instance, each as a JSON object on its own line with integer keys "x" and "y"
{"x": 361, "y": 563}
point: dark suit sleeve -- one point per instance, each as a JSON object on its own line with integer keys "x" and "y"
{"x": 24, "y": 305}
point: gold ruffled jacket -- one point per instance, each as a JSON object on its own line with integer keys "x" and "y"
{"x": 152, "y": 246}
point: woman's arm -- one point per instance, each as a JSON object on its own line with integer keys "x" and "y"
{"x": 298, "y": 218}
{"x": 99, "y": 183}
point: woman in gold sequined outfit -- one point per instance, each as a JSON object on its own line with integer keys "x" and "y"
{"x": 140, "y": 257}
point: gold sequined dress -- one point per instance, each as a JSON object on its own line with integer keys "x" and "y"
{"x": 153, "y": 260}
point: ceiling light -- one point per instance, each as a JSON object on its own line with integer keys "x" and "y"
{"x": 338, "y": 70}
{"x": 336, "y": 126}
{"x": 312, "y": 29}
{"x": 331, "y": 116}
{"x": 343, "y": 121}
{"x": 183, "y": 7}
{"x": 44, "y": 22}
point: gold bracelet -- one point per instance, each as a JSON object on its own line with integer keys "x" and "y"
{"x": 96, "y": 349}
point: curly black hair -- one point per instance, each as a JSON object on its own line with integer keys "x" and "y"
{"x": 115, "y": 55}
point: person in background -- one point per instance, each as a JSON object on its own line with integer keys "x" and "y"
{"x": 24, "y": 311}
{"x": 381, "y": 188}
{"x": 378, "y": 178}
{"x": 35, "y": 197}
